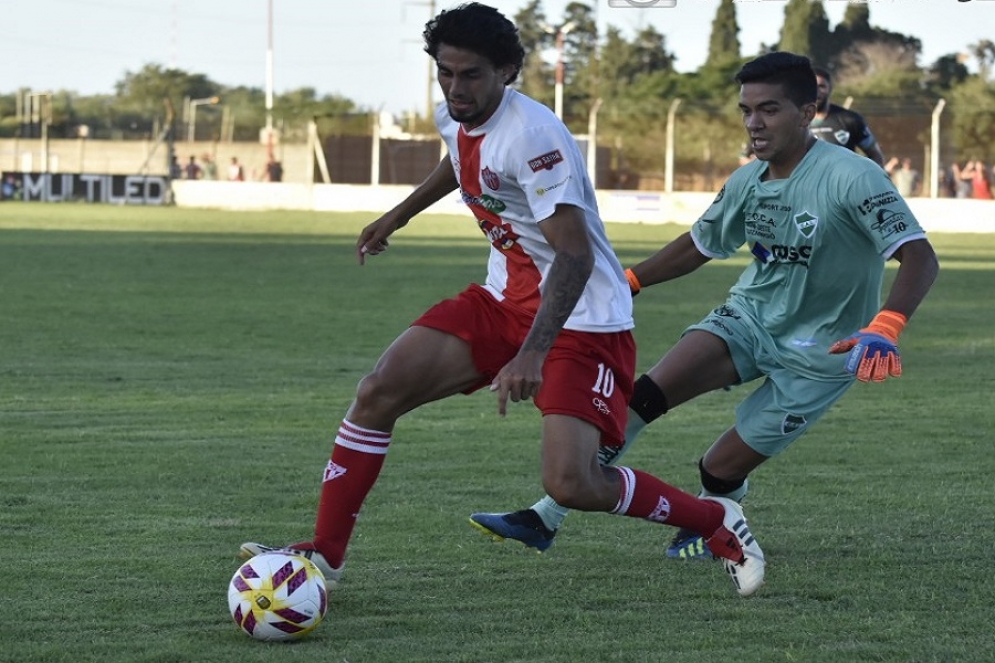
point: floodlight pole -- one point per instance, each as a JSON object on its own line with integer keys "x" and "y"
{"x": 669, "y": 157}
{"x": 269, "y": 79}
{"x": 934, "y": 157}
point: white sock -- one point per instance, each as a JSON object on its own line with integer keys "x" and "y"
{"x": 551, "y": 513}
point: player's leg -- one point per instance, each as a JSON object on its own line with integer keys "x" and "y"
{"x": 424, "y": 364}
{"x": 700, "y": 362}
{"x": 573, "y": 477}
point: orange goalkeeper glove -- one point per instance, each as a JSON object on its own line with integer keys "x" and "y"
{"x": 874, "y": 349}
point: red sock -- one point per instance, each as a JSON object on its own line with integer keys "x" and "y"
{"x": 642, "y": 495}
{"x": 357, "y": 457}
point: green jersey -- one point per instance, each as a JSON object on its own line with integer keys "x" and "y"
{"x": 819, "y": 240}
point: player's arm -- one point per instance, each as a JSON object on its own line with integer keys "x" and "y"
{"x": 873, "y": 152}
{"x": 566, "y": 233}
{"x": 873, "y": 351}
{"x": 373, "y": 239}
{"x": 674, "y": 260}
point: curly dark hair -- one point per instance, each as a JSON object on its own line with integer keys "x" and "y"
{"x": 792, "y": 72}
{"x": 480, "y": 29}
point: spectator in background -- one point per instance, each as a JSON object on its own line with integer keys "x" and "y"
{"x": 976, "y": 173}
{"x": 841, "y": 126}
{"x": 210, "y": 167}
{"x": 274, "y": 170}
{"x": 192, "y": 170}
{"x": 906, "y": 179}
{"x": 175, "y": 170}
{"x": 11, "y": 187}
{"x": 961, "y": 184}
{"x": 235, "y": 171}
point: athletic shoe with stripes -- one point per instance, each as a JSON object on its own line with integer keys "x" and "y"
{"x": 525, "y": 526}
{"x": 332, "y": 575}
{"x": 688, "y": 544}
{"x": 740, "y": 552}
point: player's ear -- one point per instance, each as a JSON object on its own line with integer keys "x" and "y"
{"x": 808, "y": 113}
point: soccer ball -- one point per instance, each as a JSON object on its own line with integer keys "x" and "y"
{"x": 277, "y": 596}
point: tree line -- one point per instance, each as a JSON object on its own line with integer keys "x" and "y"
{"x": 629, "y": 82}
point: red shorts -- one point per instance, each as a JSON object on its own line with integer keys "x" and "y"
{"x": 587, "y": 375}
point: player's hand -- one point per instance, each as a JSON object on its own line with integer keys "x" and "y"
{"x": 520, "y": 379}
{"x": 873, "y": 351}
{"x": 373, "y": 239}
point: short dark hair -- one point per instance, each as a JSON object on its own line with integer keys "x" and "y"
{"x": 822, "y": 72}
{"x": 480, "y": 29}
{"x": 793, "y": 72}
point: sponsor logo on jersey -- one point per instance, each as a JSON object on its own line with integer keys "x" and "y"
{"x": 889, "y": 222}
{"x": 489, "y": 203}
{"x": 498, "y": 235}
{"x": 661, "y": 512}
{"x": 543, "y": 191}
{"x": 726, "y": 311}
{"x": 720, "y": 195}
{"x": 601, "y": 406}
{"x": 876, "y": 201}
{"x": 792, "y": 423}
{"x": 490, "y": 178}
{"x": 545, "y": 161}
{"x": 842, "y": 136}
{"x": 806, "y": 224}
{"x": 761, "y": 252}
{"x": 786, "y": 253}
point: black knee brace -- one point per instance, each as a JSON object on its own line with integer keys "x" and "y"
{"x": 716, "y": 485}
{"x": 648, "y": 400}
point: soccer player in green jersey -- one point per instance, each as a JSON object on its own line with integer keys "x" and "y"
{"x": 804, "y": 318}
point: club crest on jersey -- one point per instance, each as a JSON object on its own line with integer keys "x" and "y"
{"x": 490, "y": 178}
{"x": 806, "y": 224}
{"x": 842, "y": 136}
{"x": 545, "y": 161}
{"x": 792, "y": 423}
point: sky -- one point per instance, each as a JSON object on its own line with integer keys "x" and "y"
{"x": 370, "y": 51}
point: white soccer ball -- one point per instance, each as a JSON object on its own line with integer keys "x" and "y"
{"x": 277, "y": 596}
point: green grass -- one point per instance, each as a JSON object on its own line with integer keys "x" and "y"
{"x": 171, "y": 380}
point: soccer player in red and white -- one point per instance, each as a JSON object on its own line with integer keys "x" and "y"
{"x": 552, "y": 321}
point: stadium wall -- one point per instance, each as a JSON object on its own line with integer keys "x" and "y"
{"x": 935, "y": 214}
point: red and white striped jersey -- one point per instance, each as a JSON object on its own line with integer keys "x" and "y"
{"x": 513, "y": 171}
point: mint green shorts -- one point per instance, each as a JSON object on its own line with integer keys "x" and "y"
{"x": 786, "y": 404}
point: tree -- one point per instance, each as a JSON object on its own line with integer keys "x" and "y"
{"x": 723, "y": 44}
{"x": 806, "y": 30}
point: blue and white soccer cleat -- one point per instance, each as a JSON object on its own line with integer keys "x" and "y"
{"x": 525, "y": 526}
{"x": 688, "y": 544}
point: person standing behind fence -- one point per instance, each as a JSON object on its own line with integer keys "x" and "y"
{"x": 976, "y": 172}
{"x": 192, "y": 170}
{"x": 906, "y": 179}
{"x": 210, "y": 167}
{"x": 235, "y": 171}
{"x": 841, "y": 126}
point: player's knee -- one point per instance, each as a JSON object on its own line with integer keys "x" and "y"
{"x": 374, "y": 396}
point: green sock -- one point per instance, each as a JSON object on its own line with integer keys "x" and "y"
{"x": 551, "y": 513}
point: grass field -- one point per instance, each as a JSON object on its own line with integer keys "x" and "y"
{"x": 171, "y": 380}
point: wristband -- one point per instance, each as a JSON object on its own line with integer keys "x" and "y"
{"x": 634, "y": 285}
{"x": 889, "y": 324}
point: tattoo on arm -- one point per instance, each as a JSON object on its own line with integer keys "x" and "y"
{"x": 567, "y": 279}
